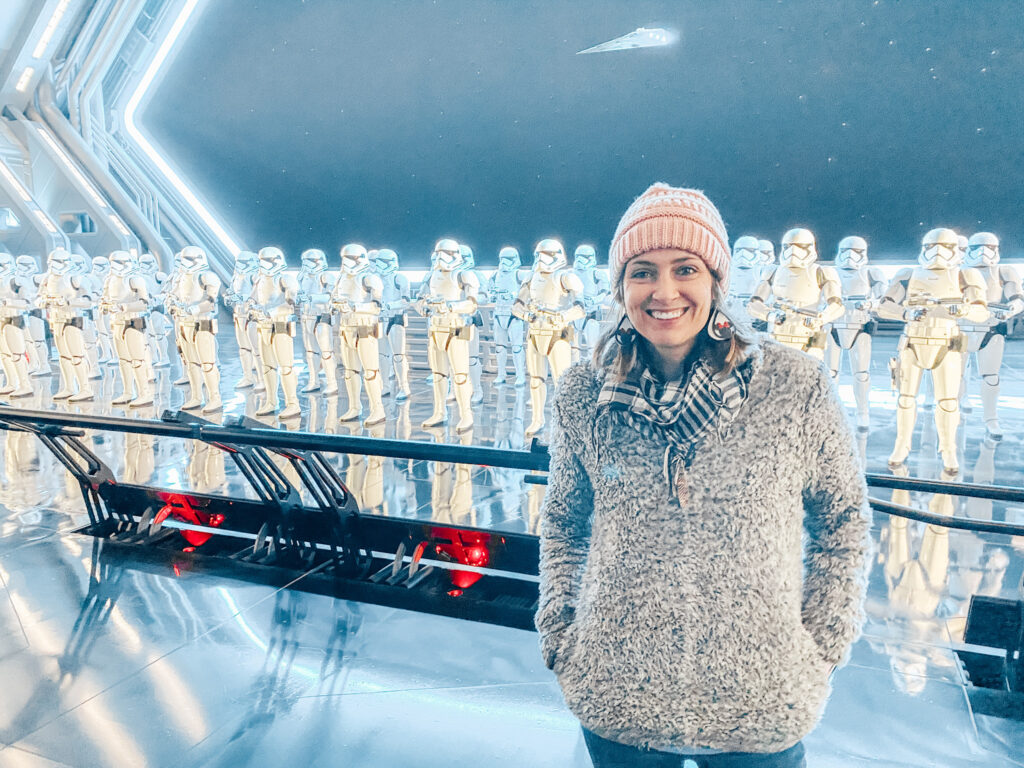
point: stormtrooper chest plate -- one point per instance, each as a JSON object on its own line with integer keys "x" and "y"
{"x": 546, "y": 291}
{"x": 935, "y": 284}
{"x": 268, "y": 292}
{"x": 798, "y": 286}
{"x": 352, "y": 287}
{"x": 188, "y": 289}
{"x": 119, "y": 289}
{"x": 744, "y": 281}
{"x": 444, "y": 286}
{"x": 504, "y": 288}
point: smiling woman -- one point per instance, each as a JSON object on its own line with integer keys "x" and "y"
{"x": 703, "y": 535}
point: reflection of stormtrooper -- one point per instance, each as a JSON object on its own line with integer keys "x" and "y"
{"x": 931, "y": 298}
{"x": 357, "y": 300}
{"x": 395, "y": 298}
{"x": 63, "y": 298}
{"x": 242, "y": 279}
{"x": 987, "y": 339}
{"x": 193, "y": 303}
{"x": 596, "y": 292}
{"x": 126, "y": 298}
{"x": 15, "y": 302}
{"x": 157, "y": 329}
{"x": 448, "y": 298}
{"x": 747, "y": 270}
{"x": 549, "y": 303}
{"x": 272, "y": 308}
{"x": 862, "y": 287}
{"x": 315, "y": 286}
{"x": 509, "y": 331}
{"x": 35, "y": 328}
{"x": 790, "y": 296}
{"x": 476, "y": 323}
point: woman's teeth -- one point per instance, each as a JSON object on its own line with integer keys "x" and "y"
{"x": 660, "y": 315}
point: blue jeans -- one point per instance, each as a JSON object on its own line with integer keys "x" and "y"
{"x": 612, "y": 754}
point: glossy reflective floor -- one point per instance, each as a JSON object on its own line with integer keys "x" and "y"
{"x": 112, "y": 661}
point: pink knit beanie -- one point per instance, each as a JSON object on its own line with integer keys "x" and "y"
{"x": 670, "y": 217}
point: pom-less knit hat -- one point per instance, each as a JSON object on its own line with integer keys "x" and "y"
{"x": 670, "y": 217}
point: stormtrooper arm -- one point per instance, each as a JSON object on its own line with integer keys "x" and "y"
{"x": 758, "y": 307}
{"x": 211, "y": 289}
{"x": 832, "y": 292}
{"x": 890, "y": 306}
{"x": 375, "y": 287}
{"x": 521, "y": 307}
{"x": 573, "y": 286}
{"x": 1013, "y": 290}
{"x": 17, "y": 296}
{"x": 471, "y": 290}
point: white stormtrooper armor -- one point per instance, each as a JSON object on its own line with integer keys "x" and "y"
{"x": 315, "y": 286}
{"x": 356, "y": 299}
{"x": 99, "y": 272}
{"x": 767, "y": 252}
{"x": 448, "y": 298}
{"x": 987, "y": 340}
{"x": 862, "y": 287}
{"x": 395, "y": 299}
{"x": 15, "y": 302}
{"x": 65, "y": 300}
{"x": 243, "y": 277}
{"x": 799, "y": 297}
{"x": 931, "y": 298}
{"x": 596, "y": 292}
{"x": 476, "y": 323}
{"x": 509, "y": 331}
{"x": 82, "y": 270}
{"x": 157, "y": 328}
{"x": 272, "y": 308}
{"x": 35, "y": 327}
{"x": 127, "y": 300}
{"x": 550, "y": 301}
{"x": 192, "y": 302}
{"x": 748, "y": 270}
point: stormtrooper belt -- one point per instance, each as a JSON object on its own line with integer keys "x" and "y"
{"x": 18, "y": 321}
{"x": 361, "y": 331}
{"x": 137, "y": 323}
{"x": 395, "y": 320}
{"x": 278, "y": 326}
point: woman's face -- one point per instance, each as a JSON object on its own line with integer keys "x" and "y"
{"x": 667, "y": 297}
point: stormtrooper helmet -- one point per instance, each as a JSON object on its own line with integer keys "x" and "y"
{"x": 193, "y": 259}
{"x": 271, "y": 260}
{"x": 101, "y": 266}
{"x": 939, "y": 249}
{"x": 767, "y": 251}
{"x": 246, "y": 262}
{"x": 123, "y": 263}
{"x": 852, "y": 253}
{"x": 354, "y": 259}
{"x": 468, "y": 259}
{"x": 26, "y": 265}
{"x": 745, "y": 252}
{"x": 508, "y": 259}
{"x": 59, "y": 261}
{"x": 148, "y": 264}
{"x": 314, "y": 261}
{"x": 584, "y": 258}
{"x": 798, "y": 248}
{"x": 386, "y": 262}
{"x": 7, "y": 263}
{"x": 447, "y": 255}
{"x": 983, "y": 250}
{"x": 549, "y": 256}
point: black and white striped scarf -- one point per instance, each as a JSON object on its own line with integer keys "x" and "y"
{"x": 683, "y": 409}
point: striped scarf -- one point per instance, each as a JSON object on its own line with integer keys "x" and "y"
{"x": 682, "y": 410}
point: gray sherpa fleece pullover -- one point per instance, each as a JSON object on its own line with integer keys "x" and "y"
{"x": 715, "y": 624}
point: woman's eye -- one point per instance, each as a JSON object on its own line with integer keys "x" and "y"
{"x": 686, "y": 271}
{"x": 640, "y": 274}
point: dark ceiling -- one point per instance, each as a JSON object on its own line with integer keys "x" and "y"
{"x": 313, "y": 124}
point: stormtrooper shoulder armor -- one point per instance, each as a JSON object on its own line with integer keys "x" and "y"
{"x": 571, "y": 282}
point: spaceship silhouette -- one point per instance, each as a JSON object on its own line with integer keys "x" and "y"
{"x": 642, "y": 37}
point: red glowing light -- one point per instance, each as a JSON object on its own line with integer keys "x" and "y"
{"x": 466, "y": 547}
{"x": 180, "y": 507}
{"x": 454, "y": 592}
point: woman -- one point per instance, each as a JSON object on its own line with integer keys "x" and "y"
{"x": 704, "y": 531}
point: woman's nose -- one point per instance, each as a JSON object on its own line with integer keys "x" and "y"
{"x": 664, "y": 287}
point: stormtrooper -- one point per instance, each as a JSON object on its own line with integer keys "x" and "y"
{"x": 158, "y": 328}
{"x": 799, "y": 297}
{"x": 82, "y": 270}
{"x": 15, "y": 302}
{"x": 100, "y": 272}
{"x": 596, "y": 292}
{"x": 549, "y": 302}
{"x": 242, "y": 279}
{"x": 748, "y": 269}
{"x": 272, "y": 308}
{"x": 127, "y": 300}
{"x": 64, "y": 298}
{"x": 356, "y": 299}
{"x": 394, "y": 299}
{"x": 767, "y": 252}
{"x": 931, "y": 298}
{"x": 192, "y": 302}
{"x": 27, "y": 267}
{"x": 508, "y": 330}
{"x": 862, "y": 287}
{"x": 448, "y": 299}
{"x": 476, "y": 323}
{"x": 987, "y": 339}
{"x": 315, "y": 286}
